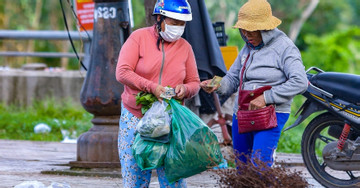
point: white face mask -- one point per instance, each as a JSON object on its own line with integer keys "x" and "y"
{"x": 172, "y": 33}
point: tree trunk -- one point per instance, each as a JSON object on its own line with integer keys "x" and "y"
{"x": 62, "y": 46}
{"x": 296, "y": 26}
{"x": 6, "y": 23}
{"x": 149, "y": 8}
{"x": 34, "y": 26}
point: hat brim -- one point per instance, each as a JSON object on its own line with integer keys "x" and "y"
{"x": 176, "y": 16}
{"x": 270, "y": 24}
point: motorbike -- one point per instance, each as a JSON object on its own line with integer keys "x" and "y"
{"x": 330, "y": 144}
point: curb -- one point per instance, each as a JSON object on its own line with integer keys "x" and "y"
{"x": 289, "y": 159}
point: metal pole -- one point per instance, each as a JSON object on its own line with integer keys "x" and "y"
{"x": 42, "y": 35}
{"x": 100, "y": 94}
{"x": 39, "y": 54}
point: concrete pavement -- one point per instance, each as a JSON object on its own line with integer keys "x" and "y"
{"x": 22, "y": 161}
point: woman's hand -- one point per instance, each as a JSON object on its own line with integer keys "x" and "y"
{"x": 257, "y": 103}
{"x": 180, "y": 91}
{"x": 205, "y": 87}
{"x": 158, "y": 91}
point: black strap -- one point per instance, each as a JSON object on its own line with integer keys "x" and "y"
{"x": 68, "y": 32}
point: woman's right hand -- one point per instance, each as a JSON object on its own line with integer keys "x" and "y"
{"x": 205, "y": 87}
{"x": 158, "y": 91}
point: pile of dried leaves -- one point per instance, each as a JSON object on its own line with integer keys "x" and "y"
{"x": 248, "y": 175}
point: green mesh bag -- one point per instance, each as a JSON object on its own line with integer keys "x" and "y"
{"x": 149, "y": 154}
{"x": 193, "y": 149}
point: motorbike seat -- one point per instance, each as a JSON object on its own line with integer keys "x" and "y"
{"x": 342, "y": 85}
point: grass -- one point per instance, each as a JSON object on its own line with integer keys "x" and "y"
{"x": 290, "y": 141}
{"x": 18, "y": 123}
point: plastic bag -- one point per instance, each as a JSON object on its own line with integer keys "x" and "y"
{"x": 162, "y": 139}
{"x": 149, "y": 155}
{"x": 193, "y": 148}
{"x": 156, "y": 121}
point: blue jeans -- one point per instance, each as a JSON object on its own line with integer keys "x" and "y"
{"x": 259, "y": 144}
{"x": 131, "y": 173}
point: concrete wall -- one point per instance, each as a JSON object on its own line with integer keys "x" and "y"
{"x": 22, "y": 86}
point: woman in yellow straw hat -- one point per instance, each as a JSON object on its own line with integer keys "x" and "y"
{"x": 269, "y": 58}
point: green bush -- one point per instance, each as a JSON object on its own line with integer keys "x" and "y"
{"x": 234, "y": 38}
{"x": 19, "y": 122}
{"x": 336, "y": 51}
{"x": 290, "y": 140}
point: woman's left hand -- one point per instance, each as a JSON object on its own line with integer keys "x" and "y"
{"x": 180, "y": 91}
{"x": 257, "y": 103}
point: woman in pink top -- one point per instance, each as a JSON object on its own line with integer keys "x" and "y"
{"x": 150, "y": 59}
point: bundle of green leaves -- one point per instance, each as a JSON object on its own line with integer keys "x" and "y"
{"x": 146, "y": 100}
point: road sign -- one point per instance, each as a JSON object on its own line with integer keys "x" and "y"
{"x": 85, "y": 12}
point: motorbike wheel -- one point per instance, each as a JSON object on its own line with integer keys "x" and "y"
{"x": 315, "y": 137}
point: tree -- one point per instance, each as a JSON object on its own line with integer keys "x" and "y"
{"x": 336, "y": 51}
{"x": 149, "y": 8}
{"x": 299, "y": 17}
{"x": 34, "y": 15}
{"x": 328, "y": 17}
{"x": 297, "y": 24}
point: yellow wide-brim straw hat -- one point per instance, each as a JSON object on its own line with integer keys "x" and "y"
{"x": 256, "y": 15}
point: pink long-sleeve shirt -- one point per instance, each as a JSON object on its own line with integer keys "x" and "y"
{"x": 139, "y": 65}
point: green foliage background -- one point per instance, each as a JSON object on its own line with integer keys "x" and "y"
{"x": 338, "y": 51}
{"x": 333, "y": 24}
{"x": 329, "y": 39}
{"x": 18, "y": 122}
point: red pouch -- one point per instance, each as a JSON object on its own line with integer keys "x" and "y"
{"x": 253, "y": 120}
